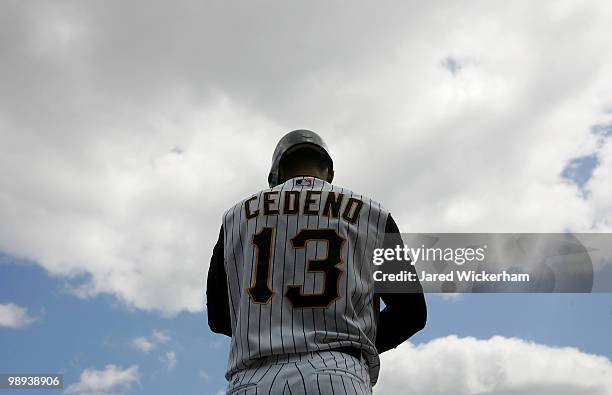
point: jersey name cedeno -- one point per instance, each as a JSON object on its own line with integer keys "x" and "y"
{"x": 304, "y": 202}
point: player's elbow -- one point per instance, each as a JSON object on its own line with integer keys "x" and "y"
{"x": 417, "y": 319}
{"x": 218, "y": 320}
{"x": 420, "y": 320}
{"x": 420, "y": 315}
{"x": 220, "y": 328}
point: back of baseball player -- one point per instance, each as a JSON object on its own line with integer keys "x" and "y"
{"x": 297, "y": 269}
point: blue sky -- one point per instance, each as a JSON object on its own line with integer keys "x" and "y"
{"x": 71, "y": 334}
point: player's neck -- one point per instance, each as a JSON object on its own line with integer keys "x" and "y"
{"x": 316, "y": 173}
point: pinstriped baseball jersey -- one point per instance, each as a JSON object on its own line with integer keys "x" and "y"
{"x": 317, "y": 372}
{"x": 298, "y": 264}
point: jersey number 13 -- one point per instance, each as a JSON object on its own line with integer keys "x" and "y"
{"x": 260, "y": 291}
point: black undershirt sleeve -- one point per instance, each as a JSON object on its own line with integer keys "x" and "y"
{"x": 405, "y": 313}
{"x": 217, "y": 302}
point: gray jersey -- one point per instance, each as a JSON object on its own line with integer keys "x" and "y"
{"x": 299, "y": 272}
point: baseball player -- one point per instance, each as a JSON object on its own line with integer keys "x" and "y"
{"x": 290, "y": 281}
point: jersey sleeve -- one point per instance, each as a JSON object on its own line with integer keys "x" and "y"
{"x": 217, "y": 302}
{"x": 405, "y": 313}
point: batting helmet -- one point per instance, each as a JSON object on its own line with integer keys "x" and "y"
{"x": 292, "y": 141}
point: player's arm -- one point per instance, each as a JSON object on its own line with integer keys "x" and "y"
{"x": 405, "y": 313}
{"x": 217, "y": 302}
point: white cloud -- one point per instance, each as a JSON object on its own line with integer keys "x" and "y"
{"x": 13, "y": 316}
{"x": 147, "y": 344}
{"x": 112, "y": 380}
{"x": 133, "y": 156}
{"x": 497, "y": 366}
{"x": 143, "y": 344}
{"x": 169, "y": 360}
{"x": 160, "y": 337}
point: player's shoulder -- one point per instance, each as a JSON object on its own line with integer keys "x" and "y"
{"x": 351, "y": 193}
{"x": 240, "y": 203}
{"x": 236, "y": 206}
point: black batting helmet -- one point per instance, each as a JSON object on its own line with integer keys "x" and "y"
{"x": 300, "y": 138}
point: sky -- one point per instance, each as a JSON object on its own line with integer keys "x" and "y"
{"x": 127, "y": 128}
